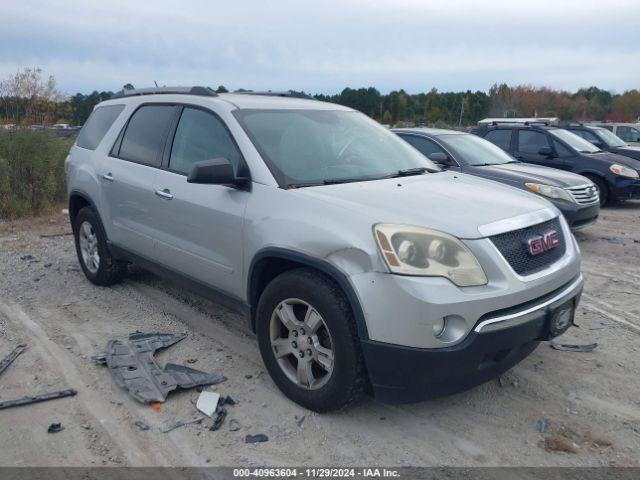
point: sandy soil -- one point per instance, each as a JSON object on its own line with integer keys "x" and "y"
{"x": 589, "y": 401}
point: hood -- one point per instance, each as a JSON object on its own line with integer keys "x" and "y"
{"x": 629, "y": 151}
{"x": 454, "y": 203}
{"x": 612, "y": 158}
{"x": 526, "y": 172}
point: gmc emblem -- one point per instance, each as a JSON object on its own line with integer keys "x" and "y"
{"x": 542, "y": 243}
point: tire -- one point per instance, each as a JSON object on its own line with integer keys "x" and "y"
{"x": 89, "y": 235}
{"x": 299, "y": 292}
{"x": 603, "y": 189}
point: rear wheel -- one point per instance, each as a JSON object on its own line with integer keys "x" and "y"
{"x": 307, "y": 338}
{"x": 93, "y": 253}
{"x": 603, "y": 189}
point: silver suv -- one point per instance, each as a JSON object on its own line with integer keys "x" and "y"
{"x": 357, "y": 262}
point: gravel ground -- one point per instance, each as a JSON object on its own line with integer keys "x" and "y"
{"x": 588, "y": 402}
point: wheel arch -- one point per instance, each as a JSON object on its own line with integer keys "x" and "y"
{"x": 272, "y": 261}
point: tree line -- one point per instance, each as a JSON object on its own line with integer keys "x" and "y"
{"x": 28, "y": 97}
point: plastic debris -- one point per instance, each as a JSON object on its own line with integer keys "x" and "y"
{"x": 208, "y": 402}
{"x": 300, "y": 421}
{"x": 260, "y": 437}
{"x": 221, "y": 414}
{"x": 37, "y": 398}
{"x": 598, "y": 326}
{"x": 195, "y": 418}
{"x": 541, "y": 425}
{"x": 141, "y": 425}
{"x": 234, "y": 425}
{"x": 134, "y": 368}
{"x": 8, "y": 360}
{"x": 565, "y": 347}
{"x": 55, "y": 428}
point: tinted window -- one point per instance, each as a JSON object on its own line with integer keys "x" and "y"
{"x": 561, "y": 150}
{"x": 142, "y": 141}
{"x": 586, "y": 135}
{"x": 97, "y": 126}
{"x": 530, "y": 141}
{"x": 628, "y": 134}
{"x": 501, "y": 138}
{"x": 200, "y": 136}
{"x": 423, "y": 145}
{"x": 475, "y": 150}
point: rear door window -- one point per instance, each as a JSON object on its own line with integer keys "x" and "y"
{"x": 97, "y": 126}
{"x": 144, "y": 137}
{"x": 200, "y": 136}
{"x": 530, "y": 141}
{"x": 501, "y": 138}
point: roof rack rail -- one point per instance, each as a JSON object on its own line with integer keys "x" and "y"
{"x": 202, "y": 91}
{"x": 521, "y": 121}
{"x": 571, "y": 124}
{"x": 269, "y": 93}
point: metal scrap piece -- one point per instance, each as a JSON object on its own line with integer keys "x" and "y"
{"x": 37, "y": 398}
{"x": 565, "y": 347}
{"x": 134, "y": 368}
{"x": 8, "y": 360}
{"x": 195, "y": 418}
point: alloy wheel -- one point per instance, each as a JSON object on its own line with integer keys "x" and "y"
{"x": 301, "y": 343}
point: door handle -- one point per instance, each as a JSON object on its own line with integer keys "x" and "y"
{"x": 108, "y": 177}
{"x": 164, "y": 194}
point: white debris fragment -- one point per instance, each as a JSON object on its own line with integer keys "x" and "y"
{"x": 208, "y": 402}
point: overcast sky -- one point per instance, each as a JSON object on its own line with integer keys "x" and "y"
{"x": 324, "y": 46}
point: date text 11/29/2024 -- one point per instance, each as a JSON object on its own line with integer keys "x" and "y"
{"x": 316, "y": 472}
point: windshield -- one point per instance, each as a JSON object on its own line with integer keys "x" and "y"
{"x": 574, "y": 141}
{"x": 610, "y": 138}
{"x": 321, "y": 146}
{"x": 475, "y": 150}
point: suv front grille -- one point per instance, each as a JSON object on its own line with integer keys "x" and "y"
{"x": 513, "y": 247}
{"x": 584, "y": 194}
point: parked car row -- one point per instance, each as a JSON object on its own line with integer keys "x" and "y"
{"x": 614, "y": 174}
{"x": 575, "y": 196}
{"x": 359, "y": 263}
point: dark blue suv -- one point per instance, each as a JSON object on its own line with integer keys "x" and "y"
{"x": 617, "y": 177}
{"x": 604, "y": 139}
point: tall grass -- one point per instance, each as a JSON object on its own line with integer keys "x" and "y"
{"x": 32, "y": 179}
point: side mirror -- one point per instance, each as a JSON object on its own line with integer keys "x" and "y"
{"x": 546, "y": 152}
{"x": 217, "y": 171}
{"x": 441, "y": 159}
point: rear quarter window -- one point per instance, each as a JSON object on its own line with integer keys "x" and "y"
{"x": 97, "y": 126}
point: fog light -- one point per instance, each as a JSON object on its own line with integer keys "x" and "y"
{"x": 439, "y": 326}
{"x": 562, "y": 319}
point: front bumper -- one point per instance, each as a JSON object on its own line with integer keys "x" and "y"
{"x": 625, "y": 189}
{"x": 578, "y": 216}
{"x": 499, "y": 340}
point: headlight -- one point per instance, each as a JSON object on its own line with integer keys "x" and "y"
{"x": 623, "y": 171}
{"x": 550, "y": 192}
{"x": 409, "y": 250}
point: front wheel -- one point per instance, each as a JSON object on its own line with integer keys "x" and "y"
{"x": 308, "y": 342}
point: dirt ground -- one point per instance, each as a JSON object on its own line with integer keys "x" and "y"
{"x": 588, "y": 403}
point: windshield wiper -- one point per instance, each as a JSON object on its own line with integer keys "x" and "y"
{"x": 407, "y": 172}
{"x": 334, "y": 181}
